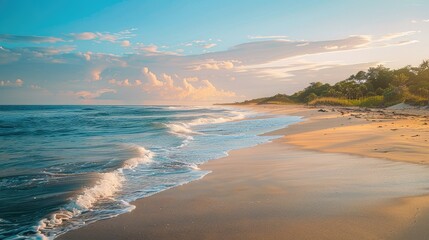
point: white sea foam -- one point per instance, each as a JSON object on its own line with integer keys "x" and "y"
{"x": 107, "y": 185}
{"x": 212, "y": 120}
{"x": 180, "y": 128}
{"x": 194, "y": 166}
{"x": 144, "y": 156}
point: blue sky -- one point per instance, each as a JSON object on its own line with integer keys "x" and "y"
{"x": 162, "y": 52}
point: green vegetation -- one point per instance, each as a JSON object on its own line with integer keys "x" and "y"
{"x": 377, "y": 87}
{"x": 276, "y": 99}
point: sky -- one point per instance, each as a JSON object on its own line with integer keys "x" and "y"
{"x": 197, "y": 52}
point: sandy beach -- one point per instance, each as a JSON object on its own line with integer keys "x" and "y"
{"x": 339, "y": 174}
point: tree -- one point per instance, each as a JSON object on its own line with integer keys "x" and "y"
{"x": 311, "y": 97}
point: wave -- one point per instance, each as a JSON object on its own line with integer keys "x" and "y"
{"x": 144, "y": 156}
{"x": 107, "y": 185}
{"x": 184, "y": 130}
{"x": 213, "y": 120}
{"x": 180, "y": 128}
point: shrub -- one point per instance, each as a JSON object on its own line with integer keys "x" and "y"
{"x": 374, "y": 101}
{"x": 329, "y": 101}
{"x": 416, "y": 100}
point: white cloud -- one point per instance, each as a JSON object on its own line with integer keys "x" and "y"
{"x": 209, "y": 45}
{"x": 201, "y": 44}
{"x": 415, "y": 21}
{"x": 17, "y": 83}
{"x": 35, "y": 87}
{"x": 302, "y": 44}
{"x": 401, "y": 43}
{"x": 268, "y": 37}
{"x": 396, "y": 35}
{"x": 87, "y": 56}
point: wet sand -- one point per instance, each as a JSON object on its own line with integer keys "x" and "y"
{"x": 280, "y": 191}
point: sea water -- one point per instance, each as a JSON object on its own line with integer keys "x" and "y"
{"x": 62, "y": 167}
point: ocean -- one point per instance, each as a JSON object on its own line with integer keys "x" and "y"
{"x": 62, "y": 167}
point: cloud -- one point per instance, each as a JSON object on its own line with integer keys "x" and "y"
{"x": 270, "y": 50}
{"x": 302, "y": 44}
{"x": 84, "y": 36}
{"x": 126, "y": 83}
{"x": 396, "y": 35}
{"x": 17, "y": 83}
{"x": 166, "y": 88}
{"x": 8, "y": 56}
{"x": 209, "y": 45}
{"x": 205, "y": 44}
{"x": 32, "y": 54}
{"x": 48, "y": 50}
{"x": 125, "y": 43}
{"x": 84, "y": 95}
{"x": 401, "y": 43}
{"x": 118, "y": 37}
{"x": 86, "y": 55}
{"x": 268, "y": 37}
{"x": 32, "y": 39}
{"x": 198, "y": 77}
{"x": 152, "y": 50}
{"x": 417, "y": 21}
{"x": 149, "y": 48}
{"x": 96, "y": 74}
{"x": 214, "y": 65}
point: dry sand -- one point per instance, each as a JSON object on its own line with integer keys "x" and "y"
{"x": 279, "y": 191}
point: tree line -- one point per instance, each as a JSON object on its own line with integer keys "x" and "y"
{"x": 377, "y": 87}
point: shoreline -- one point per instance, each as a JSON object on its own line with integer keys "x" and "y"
{"x": 162, "y": 215}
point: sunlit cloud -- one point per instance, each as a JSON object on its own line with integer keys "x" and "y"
{"x": 93, "y": 95}
{"x": 96, "y": 74}
{"x": 125, "y": 43}
{"x": 396, "y": 35}
{"x": 209, "y": 45}
{"x": 211, "y": 64}
{"x": 84, "y": 35}
{"x": 126, "y": 83}
{"x": 166, "y": 88}
{"x": 118, "y": 37}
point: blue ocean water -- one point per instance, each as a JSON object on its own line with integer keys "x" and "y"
{"x": 65, "y": 166}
